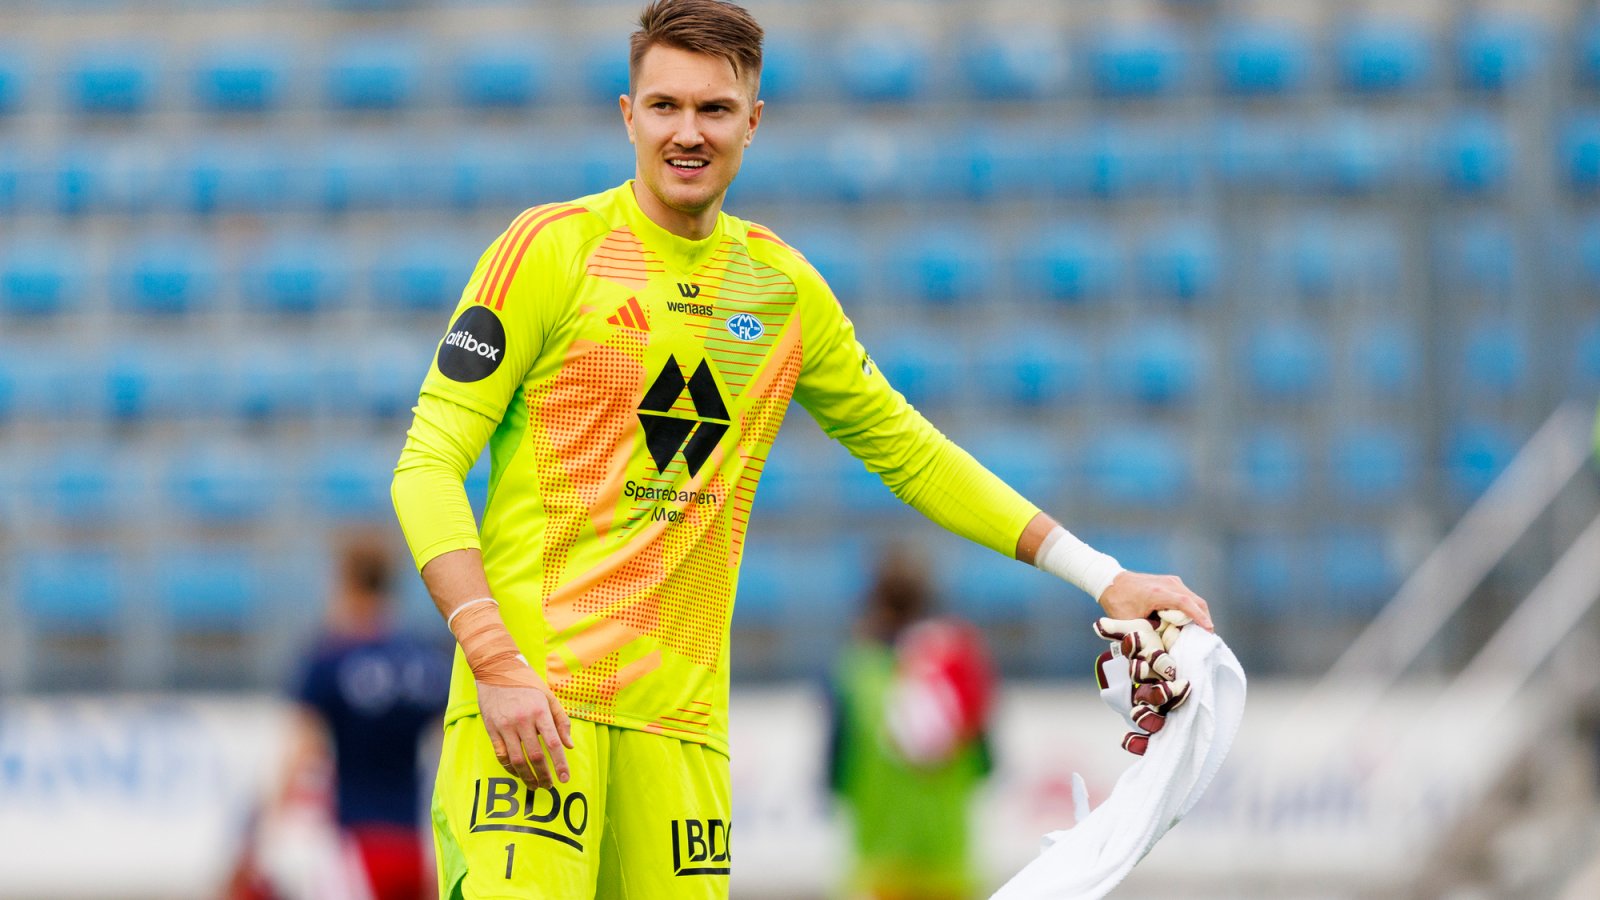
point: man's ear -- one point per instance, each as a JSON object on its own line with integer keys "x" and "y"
{"x": 625, "y": 104}
{"x": 755, "y": 120}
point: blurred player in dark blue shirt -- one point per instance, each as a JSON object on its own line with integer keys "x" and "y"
{"x": 368, "y": 696}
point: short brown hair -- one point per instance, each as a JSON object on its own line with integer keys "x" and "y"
{"x": 713, "y": 27}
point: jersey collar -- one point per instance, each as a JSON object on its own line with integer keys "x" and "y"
{"x": 682, "y": 251}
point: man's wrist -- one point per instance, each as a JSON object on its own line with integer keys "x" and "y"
{"x": 1065, "y": 556}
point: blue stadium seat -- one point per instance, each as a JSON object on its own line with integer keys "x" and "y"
{"x": 77, "y": 591}
{"x": 1139, "y": 549}
{"x": 1586, "y": 238}
{"x": 238, "y": 177}
{"x": 1267, "y": 571}
{"x": 768, "y": 586}
{"x": 985, "y": 588}
{"x": 1015, "y": 63}
{"x": 363, "y": 173}
{"x": 944, "y": 266}
{"x": 1308, "y": 255}
{"x": 1588, "y": 50}
{"x": 1357, "y": 571}
{"x": 390, "y": 376}
{"x": 218, "y": 484}
{"x": 167, "y": 275}
{"x": 1585, "y": 359}
{"x": 147, "y": 381}
{"x": 1042, "y": 368}
{"x": 1256, "y": 58}
{"x": 484, "y": 172}
{"x": 1286, "y": 360}
{"x": 84, "y": 485}
{"x": 79, "y": 181}
{"x": 1475, "y": 453}
{"x": 422, "y": 272}
{"x": 775, "y": 168}
{"x": 1261, "y": 153}
{"x": 1494, "y": 359}
{"x": 374, "y": 73}
{"x": 12, "y": 180}
{"x": 112, "y": 79}
{"x": 241, "y": 78}
{"x": 1032, "y": 459}
{"x": 297, "y": 273}
{"x": 1141, "y": 466}
{"x": 1156, "y": 363}
{"x": 1352, "y": 154}
{"x": 1473, "y": 153}
{"x": 495, "y": 73}
{"x": 605, "y": 70}
{"x": 1069, "y": 262}
{"x": 1140, "y": 62}
{"x": 999, "y": 162}
{"x": 1580, "y": 152}
{"x": 207, "y": 590}
{"x": 1477, "y": 254}
{"x": 1271, "y": 466}
{"x": 882, "y": 65}
{"x": 793, "y": 482}
{"x": 40, "y": 277}
{"x": 1181, "y": 262}
{"x": 1383, "y": 57}
{"x": 1497, "y": 53}
{"x": 350, "y": 481}
{"x": 1144, "y": 158}
{"x": 1386, "y": 358}
{"x": 13, "y": 78}
{"x": 923, "y": 366}
{"x": 1372, "y": 464}
{"x": 787, "y": 68}
{"x": 270, "y": 382}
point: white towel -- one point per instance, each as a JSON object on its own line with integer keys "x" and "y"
{"x": 1158, "y": 790}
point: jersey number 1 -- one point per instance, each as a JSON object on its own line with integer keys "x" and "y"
{"x": 511, "y": 855}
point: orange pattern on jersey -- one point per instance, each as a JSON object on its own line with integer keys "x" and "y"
{"x": 759, "y": 427}
{"x": 738, "y": 284}
{"x": 622, "y": 259}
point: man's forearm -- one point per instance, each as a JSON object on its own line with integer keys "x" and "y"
{"x": 455, "y": 578}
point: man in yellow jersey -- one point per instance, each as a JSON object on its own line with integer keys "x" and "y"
{"x": 628, "y": 357}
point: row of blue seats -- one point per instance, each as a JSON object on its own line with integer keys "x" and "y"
{"x": 372, "y": 71}
{"x": 1138, "y": 467}
{"x": 1181, "y": 261}
{"x": 1152, "y": 467}
{"x": 209, "y": 588}
{"x": 102, "y": 485}
{"x": 1339, "y": 154}
{"x": 1025, "y": 366}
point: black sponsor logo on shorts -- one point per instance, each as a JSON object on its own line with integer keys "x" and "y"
{"x": 474, "y": 347}
{"x": 506, "y": 804}
{"x": 702, "y": 846}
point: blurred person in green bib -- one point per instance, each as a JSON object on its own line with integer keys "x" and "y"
{"x": 908, "y": 750}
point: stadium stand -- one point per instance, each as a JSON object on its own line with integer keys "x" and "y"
{"x": 1201, "y": 275}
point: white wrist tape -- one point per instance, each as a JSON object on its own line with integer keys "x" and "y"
{"x": 450, "y": 620}
{"x": 1070, "y": 559}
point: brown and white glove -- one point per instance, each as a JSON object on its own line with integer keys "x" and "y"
{"x": 1137, "y": 676}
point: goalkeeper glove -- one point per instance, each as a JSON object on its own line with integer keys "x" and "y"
{"x": 1137, "y": 677}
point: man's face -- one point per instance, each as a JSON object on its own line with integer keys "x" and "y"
{"x": 689, "y": 118}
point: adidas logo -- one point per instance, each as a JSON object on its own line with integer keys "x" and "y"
{"x": 630, "y": 315}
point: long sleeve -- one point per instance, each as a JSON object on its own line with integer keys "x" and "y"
{"x": 429, "y": 499}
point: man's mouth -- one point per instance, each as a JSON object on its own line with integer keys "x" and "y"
{"x": 687, "y": 164}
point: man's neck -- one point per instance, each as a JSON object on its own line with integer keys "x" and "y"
{"x": 694, "y": 227}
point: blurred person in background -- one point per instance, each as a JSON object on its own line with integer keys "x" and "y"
{"x": 627, "y": 357}
{"x": 908, "y": 748}
{"x": 368, "y": 700}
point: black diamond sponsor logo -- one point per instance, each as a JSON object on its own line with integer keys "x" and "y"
{"x": 666, "y": 433}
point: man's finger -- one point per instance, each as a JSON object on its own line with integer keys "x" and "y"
{"x": 563, "y": 724}
{"x": 533, "y": 754}
{"x": 1135, "y": 743}
{"x": 1162, "y": 696}
{"x": 557, "y": 758}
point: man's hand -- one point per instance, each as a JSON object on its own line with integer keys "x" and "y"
{"x": 1135, "y": 595}
{"x": 1137, "y": 677}
{"x": 524, "y": 721}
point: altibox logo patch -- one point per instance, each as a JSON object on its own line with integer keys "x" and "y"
{"x": 474, "y": 347}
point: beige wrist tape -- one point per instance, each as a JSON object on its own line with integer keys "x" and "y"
{"x": 491, "y": 652}
{"x": 1063, "y": 555}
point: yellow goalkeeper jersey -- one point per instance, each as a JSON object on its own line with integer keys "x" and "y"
{"x": 639, "y": 379}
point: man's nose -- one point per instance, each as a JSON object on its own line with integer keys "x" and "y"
{"x": 687, "y": 134}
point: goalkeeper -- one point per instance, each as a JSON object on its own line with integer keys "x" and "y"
{"x": 627, "y": 358}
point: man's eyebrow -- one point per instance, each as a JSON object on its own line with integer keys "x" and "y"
{"x": 721, "y": 100}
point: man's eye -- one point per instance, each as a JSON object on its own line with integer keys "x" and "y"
{"x": 661, "y": 104}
